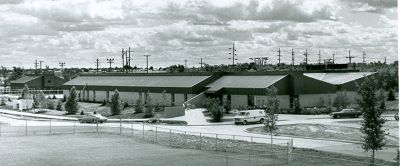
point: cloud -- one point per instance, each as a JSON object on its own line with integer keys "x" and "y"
{"x": 370, "y": 5}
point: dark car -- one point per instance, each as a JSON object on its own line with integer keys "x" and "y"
{"x": 350, "y": 113}
{"x": 92, "y": 119}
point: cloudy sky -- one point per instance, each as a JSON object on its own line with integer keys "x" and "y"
{"x": 79, "y": 31}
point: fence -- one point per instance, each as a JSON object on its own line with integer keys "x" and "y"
{"x": 223, "y": 149}
{"x": 228, "y": 149}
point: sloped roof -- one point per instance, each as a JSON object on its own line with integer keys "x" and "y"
{"x": 256, "y": 81}
{"x": 138, "y": 81}
{"x": 25, "y": 79}
{"x": 338, "y": 78}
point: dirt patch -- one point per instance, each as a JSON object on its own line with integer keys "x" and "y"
{"x": 321, "y": 131}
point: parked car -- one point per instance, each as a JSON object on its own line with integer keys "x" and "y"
{"x": 95, "y": 118}
{"x": 249, "y": 116}
{"x": 350, "y": 113}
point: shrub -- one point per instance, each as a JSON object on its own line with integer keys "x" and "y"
{"x": 115, "y": 103}
{"x": 35, "y": 102}
{"x": 2, "y": 102}
{"x": 59, "y": 105}
{"x": 54, "y": 96}
{"x": 103, "y": 103}
{"x": 227, "y": 106}
{"x": 158, "y": 108}
{"x": 391, "y": 96}
{"x": 82, "y": 113}
{"x": 139, "y": 106}
{"x": 126, "y": 105}
{"x": 48, "y": 97}
{"x": 49, "y": 105}
{"x": 217, "y": 111}
{"x": 64, "y": 98}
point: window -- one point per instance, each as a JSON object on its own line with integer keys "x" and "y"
{"x": 185, "y": 97}
{"x": 250, "y": 100}
{"x": 172, "y": 99}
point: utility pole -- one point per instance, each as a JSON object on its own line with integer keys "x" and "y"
{"x": 110, "y": 61}
{"x": 292, "y": 57}
{"x": 40, "y": 63}
{"x": 333, "y": 58}
{"x": 62, "y": 64}
{"x": 306, "y": 57}
{"x": 123, "y": 58}
{"x": 319, "y": 57}
{"x": 350, "y": 57}
{"x": 201, "y": 62}
{"x": 385, "y": 60}
{"x": 128, "y": 60}
{"x": 97, "y": 65}
{"x": 233, "y": 54}
{"x": 279, "y": 56}
{"x": 364, "y": 57}
{"x": 147, "y": 62}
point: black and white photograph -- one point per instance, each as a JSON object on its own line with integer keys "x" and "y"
{"x": 199, "y": 83}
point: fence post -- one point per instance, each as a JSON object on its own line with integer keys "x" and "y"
{"x": 216, "y": 141}
{"x": 200, "y": 140}
{"x": 156, "y": 134}
{"x": 120, "y": 125}
{"x": 226, "y": 156}
{"x": 170, "y": 138}
{"x": 26, "y": 127}
{"x": 50, "y": 126}
{"x": 143, "y": 130}
{"x": 74, "y": 127}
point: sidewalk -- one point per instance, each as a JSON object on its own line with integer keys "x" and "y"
{"x": 26, "y": 114}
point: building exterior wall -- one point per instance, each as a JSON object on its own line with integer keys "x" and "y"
{"x": 179, "y": 99}
{"x": 238, "y": 100}
{"x": 313, "y": 100}
{"x": 66, "y": 92}
{"x": 283, "y": 101}
{"x": 100, "y": 96}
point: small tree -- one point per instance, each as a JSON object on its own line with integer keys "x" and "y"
{"x": 149, "y": 112}
{"x": 272, "y": 108}
{"x": 41, "y": 99}
{"x": 115, "y": 103}
{"x": 381, "y": 99}
{"x": 227, "y": 106}
{"x": 371, "y": 127}
{"x": 71, "y": 105}
{"x": 217, "y": 111}
{"x": 25, "y": 92}
{"x": 139, "y": 106}
{"x": 54, "y": 96}
{"x": 64, "y": 98}
{"x": 297, "y": 107}
{"x": 391, "y": 96}
{"x": 59, "y": 105}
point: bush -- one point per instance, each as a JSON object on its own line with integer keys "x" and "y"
{"x": 54, "y": 96}
{"x": 138, "y": 106}
{"x": 2, "y": 102}
{"x": 49, "y": 105}
{"x": 391, "y": 96}
{"x": 103, "y": 103}
{"x": 158, "y": 108}
{"x": 217, "y": 111}
{"x": 82, "y": 113}
{"x": 227, "y": 106}
{"x": 59, "y": 105}
{"x": 64, "y": 98}
{"x": 35, "y": 102}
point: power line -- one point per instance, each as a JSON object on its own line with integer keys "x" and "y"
{"x": 233, "y": 53}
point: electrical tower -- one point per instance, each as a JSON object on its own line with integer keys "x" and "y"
{"x": 123, "y": 58}
{"x": 319, "y": 57}
{"x": 201, "y": 63}
{"x": 292, "y": 57}
{"x": 147, "y": 63}
{"x": 350, "y": 57}
{"x": 233, "y": 54}
{"x": 129, "y": 56}
{"x": 364, "y": 57}
{"x": 279, "y": 56}
{"x": 97, "y": 65}
{"x": 259, "y": 61}
{"x": 110, "y": 61}
{"x": 306, "y": 57}
{"x": 62, "y": 64}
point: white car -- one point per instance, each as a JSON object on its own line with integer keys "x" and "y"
{"x": 250, "y": 116}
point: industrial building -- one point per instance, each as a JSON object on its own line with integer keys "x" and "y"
{"x": 39, "y": 82}
{"x": 239, "y": 89}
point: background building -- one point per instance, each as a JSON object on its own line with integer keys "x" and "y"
{"x": 39, "y": 82}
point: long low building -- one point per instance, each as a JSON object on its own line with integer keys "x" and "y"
{"x": 239, "y": 89}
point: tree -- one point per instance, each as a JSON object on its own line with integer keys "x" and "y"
{"x": 272, "y": 108}
{"x": 217, "y": 111}
{"x": 139, "y": 106}
{"x": 149, "y": 107}
{"x": 25, "y": 92}
{"x": 71, "y": 105}
{"x": 2, "y": 102}
{"x": 391, "y": 96}
{"x": 374, "y": 136}
{"x": 227, "y": 106}
{"x": 115, "y": 103}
